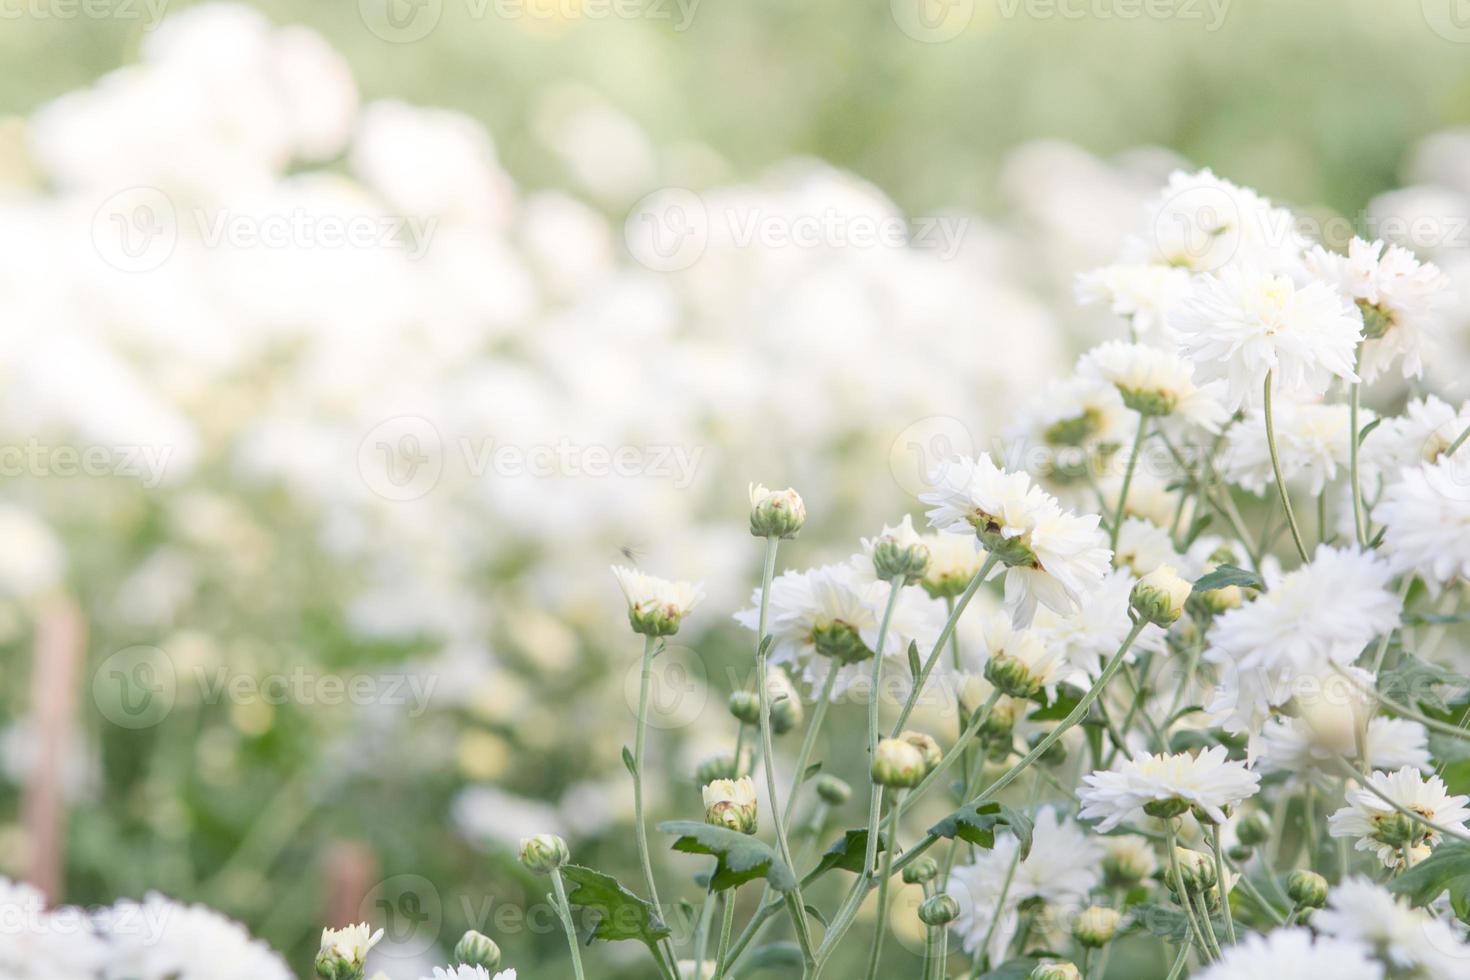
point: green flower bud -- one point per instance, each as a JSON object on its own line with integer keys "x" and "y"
{"x": 776, "y": 513}
{"x": 1160, "y": 595}
{"x": 833, "y": 791}
{"x": 1240, "y": 853}
{"x": 895, "y": 559}
{"x": 1196, "y": 869}
{"x": 722, "y": 765}
{"x": 786, "y": 710}
{"x": 1127, "y": 860}
{"x": 898, "y": 764}
{"x": 1012, "y": 676}
{"x": 1166, "y": 809}
{"x": 746, "y": 707}
{"x": 927, "y": 747}
{"x": 1307, "y": 889}
{"x": 544, "y": 853}
{"x": 1395, "y": 829}
{"x": 731, "y": 803}
{"x": 1377, "y": 320}
{"x": 840, "y": 641}
{"x": 939, "y": 910}
{"x": 1253, "y": 829}
{"x": 922, "y": 870}
{"x": 474, "y": 949}
{"x": 1096, "y": 926}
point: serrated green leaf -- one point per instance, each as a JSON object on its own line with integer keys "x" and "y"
{"x": 620, "y": 913}
{"x": 976, "y": 824}
{"x": 1168, "y": 922}
{"x": 1225, "y": 575}
{"x": 741, "y": 857}
{"x": 1414, "y": 681}
{"x": 847, "y": 853}
{"x": 1448, "y": 868}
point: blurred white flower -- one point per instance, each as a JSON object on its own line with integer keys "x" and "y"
{"x": 1294, "y": 953}
{"x": 1166, "y": 786}
{"x": 1426, "y": 519}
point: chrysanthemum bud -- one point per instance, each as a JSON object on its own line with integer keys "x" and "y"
{"x": 840, "y": 641}
{"x": 1012, "y": 676}
{"x": 344, "y": 952}
{"x": 656, "y": 606}
{"x": 544, "y": 853}
{"x": 1001, "y": 721}
{"x": 775, "y": 513}
{"x": 1096, "y": 926}
{"x": 1307, "y": 889}
{"x": 1127, "y": 860}
{"x": 1166, "y": 809}
{"x": 922, "y": 870}
{"x": 832, "y": 790}
{"x": 1196, "y": 869}
{"x": 898, "y": 764}
{"x": 1056, "y": 971}
{"x": 1160, "y": 595}
{"x": 1239, "y": 853}
{"x": 474, "y": 949}
{"x": 786, "y": 710}
{"x": 939, "y": 910}
{"x": 746, "y": 707}
{"x": 1253, "y": 829}
{"x": 731, "y": 803}
{"x": 897, "y": 559}
{"x": 1395, "y": 829}
{"x": 1212, "y": 602}
{"x": 927, "y": 747}
{"x": 721, "y": 765}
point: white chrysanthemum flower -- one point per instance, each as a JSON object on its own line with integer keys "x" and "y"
{"x": 1293, "y": 953}
{"x": 1408, "y": 940}
{"x": 41, "y": 944}
{"x": 1241, "y": 324}
{"x": 1427, "y": 427}
{"x": 1019, "y": 661}
{"x": 1204, "y": 223}
{"x": 1065, "y": 424}
{"x": 182, "y": 942}
{"x": 1150, "y": 497}
{"x": 1061, "y": 869}
{"x": 1051, "y": 556}
{"x": 1321, "y": 613}
{"x": 464, "y": 972}
{"x": 1311, "y": 439}
{"x": 1426, "y": 520}
{"x": 1329, "y": 725}
{"x": 1156, "y": 382}
{"x": 1383, "y": 830}
{"x": 1144, "y": 546}
{"x": 351, "y": 943}
{"x": 1166, "y": 786}
{"x": 832, "y": 614}
{"x": 953, "y": 562}
{"x": 1090, "y": 635}
{"x": 1140, "y": 293}
{"x": 656, "y": 606}
{"x": 1401, "y": 301}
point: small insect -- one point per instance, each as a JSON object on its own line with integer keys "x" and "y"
{"x": 632, "y": 552}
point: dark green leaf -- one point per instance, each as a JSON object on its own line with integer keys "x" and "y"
{"x": 1363, "y": 432}
{"x": 1436, "y": 619}
{"x": 620, "y": 914}
{"x": 1224, "y": 575}
{"x": 765, "y": 645}
{"x": 1198, "y": 527}
{"x": 1413, "y": 681}
{"x": 1067, "y": 698}
{"x": 741, "y": 857}
{"x": 976, "y": 824}
{"x": 1448, "y": 868}
{"x": 847, "y": 853}
{"x": 816, "y": 913}
{"x": 811, "y": 771}
{"x": 629, "y": 763}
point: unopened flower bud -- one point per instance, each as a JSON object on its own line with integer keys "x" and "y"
{"x": 939, "y": 910}
{"x": 544, "y": 853}
{"x": 896, "y": 559}
{"x": 1096, "y": 926}
{"x": 832, "y": 790}
{"x": 344, "y": 952}
{"x": 1394, "y": 829}
{"x": 721, "y": 765}
{"x": 1056, "y": 971}
{"x": 746, "y": 707}
{"x": 840, "y": 641}
{"x": 1001, "y": 721}
{"x": 1160, "y": 595}
{"x": 1196, "y": 869}
{"x": 1253, "y": 829}
{"x": 786, "y": 710}
{"x": 1212, "y": 602}
{"x": 1127, "y": 860}
{"x": 1307, "y": 889}
{"x": 731, "y": 803}
{"x": 1166, "y": 809}
{"x": 922, "y": 870}
{"x": 1012, "y": 676}
{"x": 898, "y": 764}
{"x": 475, "y": 949}
{"x": 927, "y": 747}
{"x": 1239, "y": 853}
{"x": 775, "y": 513}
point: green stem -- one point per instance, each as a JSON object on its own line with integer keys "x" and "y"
{"x": 1202, "y": 906}
{"x": 1296, "y": 533}
{"x": 942, "y": 639}
{"x": 1180, "y": 891}
{"x": 875, "y": 792}
{"x": 956, "y": 752}
{"x": 1220, "y": 882}
{"x": 1178, "y": 967}
{"x": 1127, "y": 481}
{"x": 701, "y": 936}
{"x": 882, "y": 926}
{"x": 1353, "y": 465}
{"x": 1433, "y": 724}
{"x": 640, "y": 829}
{"x": 727, "y": 925}
{"x": 565, "y": 912}
{"x": 1459, "y": 441}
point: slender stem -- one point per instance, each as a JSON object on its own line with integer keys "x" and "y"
{"x": 875, "y": 792}
{"x": 809, "y": 741}
{"x": 727, "y": 924}
{"x": 1000, "y": 902}
{"x": 957, "y": 752}
{"x": 882, "y": 926}
{"x": 1220, "y": 882}
{"x": 1202, "y": 906}
{"x": 1296, "y": 533}
{"x": 1459, "y": 441}
{"x": 768, "y": 754}
{"x": 1180, "y": 891}
{"x": 1433, "y": 724}
{"x": 1353, "y": 465}
{"x": 1127, "y": 481}
{"x": 564, "y": 911}
{"x": 701, "y": 936}
{"x": 941, "y": 963}
{"x": 1178, "y": 967}
{"x": 639, "y": 826}
{"x": 1309, "y": 820}
{"x": 943, "y": 638}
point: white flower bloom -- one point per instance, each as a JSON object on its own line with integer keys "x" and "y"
{"x": 463, "y": 972}
{"x": 1143, "y": 546}
{"x": 1408, "y": 940}
{"x": 1156, "y": 382}
{"x": 1241, "y": 324}
{"x": 1203, "y": 223}
{"x": 1426, "y": 519}
{"x": 1311, "y": 439}
{"x": 1329, "y": 723}
{"x": 1061, "y": 869}
{"x": 1139, "y": 293}
{"x": 351, "y": 943}
{"x": 1427, "y": 427}
{"x": 41, "y": 944}
{"x": 1066, "y": 421}
{"x": 1166, "y": 786}
{"x": 953, "y": 562}
{"x": 1400, "y": 299}
{"x": 1323, "y": 612}
{"x": 1020, "y": 661}
{"x": 1095, "y": 631}
{"x": 1051, "y": 556}
{"x": 1382, "y": 829}
{"x": 656, "y": 606}
{"x": 1293, "y": 953}
{"x": 184, "y": 942}
{"x": 1149, "y": 497}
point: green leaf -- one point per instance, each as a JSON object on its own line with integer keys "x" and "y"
{"x": 787, "y": 955}
{"x": 916, "y": 666}
{"x": 811, "y": 771}
{"x": 1363, "y": 432}
{"x": 1017, "y": 969}
{"x": 1448, "y": 868}
{"x": 816, "y": 913}
{"x": 620, "y": 913}
{"x": 1198, "y": 527}
{"x": 1168, "y": 922}
{"x": 628, "y": 762}
{"x": 765, "y": 645}
{"x": 741, "y": 857}
{"x": 1436, "y": 619}
{"x": 1224, "y": 575}
{"x": 976, "y": 824}
{"x": 847, "y": 853}
{"x": 1068, "y": 697}
{"x": 1413, "y": 681}
{"x": 1448, "y": 749}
